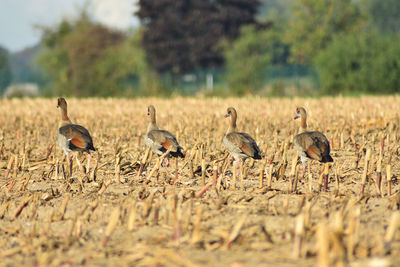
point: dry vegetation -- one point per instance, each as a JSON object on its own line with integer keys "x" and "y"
{"x": 109, "y": 214}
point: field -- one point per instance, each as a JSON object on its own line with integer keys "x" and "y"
{"x": 105, "y": 213}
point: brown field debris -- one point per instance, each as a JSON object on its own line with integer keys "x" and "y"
{"x": 126, "y": 207}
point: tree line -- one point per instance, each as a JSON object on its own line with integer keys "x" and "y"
{"x": 351, "y": 47}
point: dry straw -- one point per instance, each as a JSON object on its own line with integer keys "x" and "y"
{"x": 123, "y": 206}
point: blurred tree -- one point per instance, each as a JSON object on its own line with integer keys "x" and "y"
{"x": 248, "y": 56}
{"x": 367, "y": 62}
{"x": 5, "y": 71}
{"x": 385, "y": 14}
{"x": 85, "y": 47}
{"x": 54, "y": 59}
{"x": 180, "y": 36}
{"x": 87, "y": 59}
{"x": 125, "y": 66}
{"x": 315, "y": 22}
{"x": 73, "y": 52}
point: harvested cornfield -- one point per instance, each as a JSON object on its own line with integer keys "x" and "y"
{"x": 124, "y": 207}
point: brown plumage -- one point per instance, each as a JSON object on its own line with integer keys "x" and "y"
{"x": 311, "y": 145}
{"x": 72, "y": 137}
{"x": 240, "y": 145}
{"x": 160, "y": 140}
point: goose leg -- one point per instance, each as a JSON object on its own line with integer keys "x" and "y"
{"x": 161, "y": 167}
{"x": 234, "y": 174}
{"x": 167, "y": 165}
{"x": 162, "y": 162}
{"x": 89, "y": 157}
{"x": 157, "y": 175}
{"x": 307, "y": 166}
{"x": 304, "y": 164}
{"x": 176, "y": 169}
{"x": 241, "y": 162}
{"x": 69, "y": 164}
{"x": 303, "y": 172}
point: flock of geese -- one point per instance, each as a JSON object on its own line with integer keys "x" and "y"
{"x": 310, "y": 145}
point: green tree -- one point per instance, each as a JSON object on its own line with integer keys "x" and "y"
{"x": 315, "y": 22}
{"x": 72, "y": 54}
{"x": 248, "y": 56}
{"x": 5, "y": 71}
{"x": 87, "y": 59}
{"x": 125, "y": 67}
{"x": 54, "y": 59}
{"x": 366, "y": 63}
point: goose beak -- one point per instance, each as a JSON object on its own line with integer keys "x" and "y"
{"x": 226, "y": 115}
{"x": 296, "y": 116}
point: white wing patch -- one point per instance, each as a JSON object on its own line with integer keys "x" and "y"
{"x": 63, "y": 143}
{"x": 155, "y": 147}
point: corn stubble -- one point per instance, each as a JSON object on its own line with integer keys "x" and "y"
{"x": 126, "y": 206}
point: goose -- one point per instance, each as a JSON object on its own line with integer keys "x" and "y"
{"x": 240, "y": 145}
{"x": 72, "y": 137}
{"x": 310, "y": 145}
{"x": 160, "y": 141}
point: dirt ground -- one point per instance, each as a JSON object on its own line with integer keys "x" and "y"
{"x": 107, "y": 214}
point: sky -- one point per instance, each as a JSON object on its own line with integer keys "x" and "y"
{"x": 18, "y": 17}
